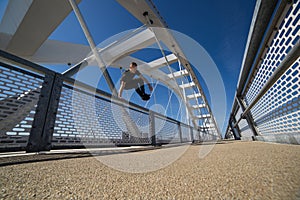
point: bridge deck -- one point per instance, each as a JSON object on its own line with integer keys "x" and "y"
{"x": 235, "y": 170}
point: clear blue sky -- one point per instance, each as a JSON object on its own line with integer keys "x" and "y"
{"x": 221, "y": 27}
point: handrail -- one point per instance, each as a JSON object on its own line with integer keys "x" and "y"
{"x": 13, "y": 59}
{"x": 290, "y": 58}
{"x": 10, "y": 59}
{"x": 267, "y": 17}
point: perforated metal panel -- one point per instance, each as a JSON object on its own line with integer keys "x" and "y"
{"x": 269, "y": 92}
{"x": 77, "y": 119}
{"x": 186, "y": 135}
{"x": 286, "y": 37}
{"x": 278, "y": 110}
{"x": 85, "y": 119}
{"x": 196, "y": 135}
{"x": 19, "y": 94}
{"x": 166, "y": 131}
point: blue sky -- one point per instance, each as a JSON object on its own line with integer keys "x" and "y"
{"x": 221, "y": 27}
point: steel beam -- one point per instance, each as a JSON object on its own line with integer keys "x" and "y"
{"x": 44, "y": 120}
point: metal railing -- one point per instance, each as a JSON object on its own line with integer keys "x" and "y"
{"x": 266, "y": 104}
{"x": 42, "y": 110}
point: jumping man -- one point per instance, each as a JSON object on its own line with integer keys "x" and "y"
{"x": 129, "y": 82}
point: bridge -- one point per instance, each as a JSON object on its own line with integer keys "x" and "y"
{"x": 78, "y": 124}
{"x": 48, "y": 116}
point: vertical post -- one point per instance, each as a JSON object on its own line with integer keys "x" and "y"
{"x": 191, "y": 133}
{"x": 180, "y": 131}
{"x": 199, "y": 135}
{"x": 152, "y": 128}
{"x": 235, "y": 130}
{"x": 44, "y": 119}
{"x": 248, "y": 116}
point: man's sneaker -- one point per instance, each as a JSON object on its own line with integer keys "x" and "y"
{"x": 146, "y": 97}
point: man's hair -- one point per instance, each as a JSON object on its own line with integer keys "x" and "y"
{"x": 133, "y": 64}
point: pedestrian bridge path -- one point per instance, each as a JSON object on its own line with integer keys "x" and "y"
{"x": 231, "y": 170}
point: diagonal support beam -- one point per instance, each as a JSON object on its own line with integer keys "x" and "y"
{"x": 93, "y": 47}
{"x": 132, "y": 127}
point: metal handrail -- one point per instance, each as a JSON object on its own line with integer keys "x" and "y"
{"x": 9, "y": 59}
{"x": 290, "y": 58}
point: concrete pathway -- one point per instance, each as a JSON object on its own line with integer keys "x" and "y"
{"x": 234, "y": 170}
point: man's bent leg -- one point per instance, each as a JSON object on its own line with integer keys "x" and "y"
{"x": 138, "y": 84}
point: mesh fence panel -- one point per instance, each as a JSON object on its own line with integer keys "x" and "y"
{"x": 186, "y": 135}
{"x": 166, "y": 131}
{"x": 19, "y": 96}
{"x": 277, "y": 112}
{"x": 88, "y": 119}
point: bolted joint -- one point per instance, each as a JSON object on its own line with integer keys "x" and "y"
{"x": 146, "y": 15}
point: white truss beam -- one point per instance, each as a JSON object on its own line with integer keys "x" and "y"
{"x": 203, "y": 116}
{"x": 161, "y": 62}
{"x": 136, "y": 42}
{"x": 194, "y": 96}
{"x": 29, "y": 26}
{"x": 198, "y": 106}
{"x": 187, "y": 85}
{"x": 178, "y": 74}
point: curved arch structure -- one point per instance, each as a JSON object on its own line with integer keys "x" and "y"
{"x": 18, "y": 41}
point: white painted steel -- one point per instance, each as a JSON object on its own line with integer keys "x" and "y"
{"x": 115, "y": 54}
{"x": 187, "y": 85}
{"x": 161, "y": 62}
{"x": 193, "y": 96}
{"x": 178, "y": 74}
{"x": 199, "y": 106}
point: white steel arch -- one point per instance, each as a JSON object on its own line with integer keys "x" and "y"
{"x": 115, "y": 54}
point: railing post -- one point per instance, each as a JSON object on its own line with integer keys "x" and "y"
{"x": 235, "y": 130}
{"x": 199, "y": 134}
{"x": 44, "y": 119}
{"x": 152, "y": 128}
{"x": 191, "y": 133}
{"x": 180, "y": 131}
{"x": 248, "y": 116}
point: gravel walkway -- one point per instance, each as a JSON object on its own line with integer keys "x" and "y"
{"x": 235, "y": 170}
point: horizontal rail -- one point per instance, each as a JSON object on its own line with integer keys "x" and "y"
{"x": 95, "y": 91}
{"x": 15, "y": 60}
{"x": 292, "y": 56}
{"x": 10, "y": 59}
